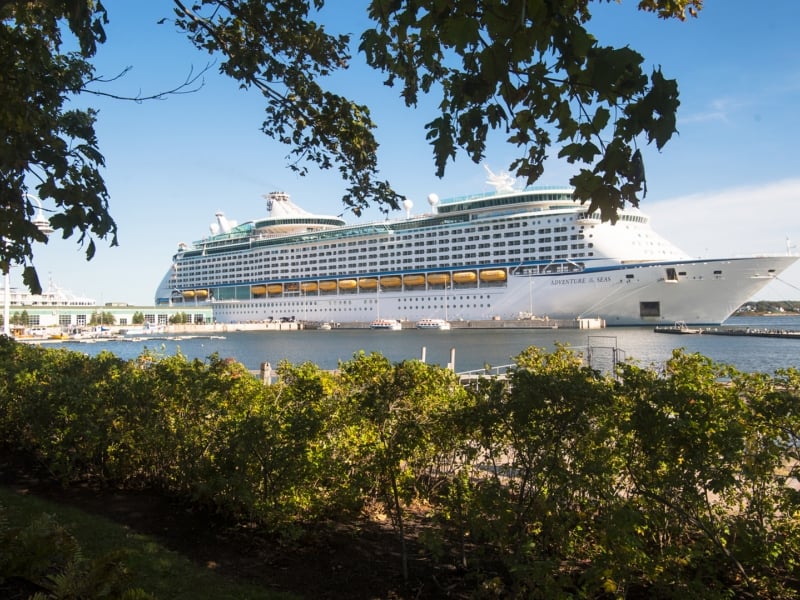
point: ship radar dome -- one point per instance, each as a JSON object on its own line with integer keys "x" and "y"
{"x": 408, "y": 205}
{"x": 433, "y": 199}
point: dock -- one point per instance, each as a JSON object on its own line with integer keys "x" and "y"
{"x": 681, "y": 329}
{"x": 754, "y": 332}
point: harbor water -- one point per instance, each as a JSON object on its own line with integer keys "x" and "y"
{"x": 471, "y": 349}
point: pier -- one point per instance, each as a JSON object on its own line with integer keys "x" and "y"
{"x": 681, "y": 329}
{"x": 754, "y": 332}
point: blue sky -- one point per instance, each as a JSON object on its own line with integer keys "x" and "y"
{"x": 727, "y": 184}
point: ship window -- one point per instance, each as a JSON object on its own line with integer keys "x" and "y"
{"x": 649, "y": 309}
{"x": 672, "y": 274}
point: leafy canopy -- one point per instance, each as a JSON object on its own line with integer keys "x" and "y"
{"x": 45, "y": 144}
{"x": 528, "y": 68}
{"x": 532, "y": 70}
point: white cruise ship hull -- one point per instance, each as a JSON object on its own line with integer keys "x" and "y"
{"x": 510, "y": 255}
{"x": 706, "y": 292}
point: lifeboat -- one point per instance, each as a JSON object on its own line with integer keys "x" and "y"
{"x": 391, "y": 282}
{"x": 413, "y": 280}
{"x": 258, "y": 290}
{"x": 368, "y": 283}
{"x": 347, "y": 284}
{"x": 188, "y": 294}
{"x": 327, "y": 286}
{"x": 292, "y": 287}
{"x": 308, "y": 286}
{"x": 201, "y": 294}
{"x": 493, "y": 275}
{"x": 275, "y": 288}
{"x": 465, "y": 277}
{"x": 439, "y": 278}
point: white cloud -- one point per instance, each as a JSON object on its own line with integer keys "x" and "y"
{"x": 755, "y": 219}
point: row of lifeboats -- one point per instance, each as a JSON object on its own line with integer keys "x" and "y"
{"x": 388, "y": 282}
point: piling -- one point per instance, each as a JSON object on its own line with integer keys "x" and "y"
{"x": 266, "y": 373}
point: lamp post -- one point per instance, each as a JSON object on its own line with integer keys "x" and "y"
{"x": 42, "y": 225}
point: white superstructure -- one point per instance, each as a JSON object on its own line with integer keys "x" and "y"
{"x": 509, "y": 254}
{"x": 52, "y": 296}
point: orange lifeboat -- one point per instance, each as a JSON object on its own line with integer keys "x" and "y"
{"x": 258, "y": 290}
{"x": 368, "y": 283}
{"x": 308, "y": 287}
{"x": 275, "y": 288}
{"x": 493, "y": 275}
{"x": 347, "y": 284}
{"x": 391, "y": 281}
{"x": 201, "y": 294}
{"x": 188, "y": 294}
{"x": 439, "y": 278}
{"x": 327, "y": 286}
{"x": 465, "y": 277}
{"x": 414, "y": 280}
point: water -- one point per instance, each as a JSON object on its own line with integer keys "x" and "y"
{"x": 474, "y": 349}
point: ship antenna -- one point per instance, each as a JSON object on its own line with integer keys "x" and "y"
{"x": 501, "y": 182}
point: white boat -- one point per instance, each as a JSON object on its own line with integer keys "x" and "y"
{"x": 497, "y": 255}
{"x": 679, "y": 328}
{"x": 146, "y": 328}
{"x": 439, "y": 324}
{"x": 387, "y": 324}
{"x": 325, "y": 326}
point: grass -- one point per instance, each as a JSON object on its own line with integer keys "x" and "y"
{"x": 153, "y": 568}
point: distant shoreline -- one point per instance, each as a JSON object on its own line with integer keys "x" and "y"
{"x": 766, "y": 314}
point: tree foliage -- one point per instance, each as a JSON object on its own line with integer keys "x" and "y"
{"x": 48, "y": 148}
{"x": 533, "y": 71}
{"x": 529, "y": 69}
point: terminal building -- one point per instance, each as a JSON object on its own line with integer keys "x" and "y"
{"x": 57, "y": 308}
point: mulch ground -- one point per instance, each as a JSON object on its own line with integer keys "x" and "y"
{"x": 358, "y": 560}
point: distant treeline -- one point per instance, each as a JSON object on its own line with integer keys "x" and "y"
{"x": 769, "y": 307}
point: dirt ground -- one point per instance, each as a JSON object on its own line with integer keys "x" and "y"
{"x": 359, "y": 560}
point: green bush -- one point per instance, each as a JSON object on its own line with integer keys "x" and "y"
{"x": 556, "y": 481}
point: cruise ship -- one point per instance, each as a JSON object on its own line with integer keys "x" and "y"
{"x": 508, "y": 254}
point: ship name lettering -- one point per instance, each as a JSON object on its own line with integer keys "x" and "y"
{"x": 572, "y": 281}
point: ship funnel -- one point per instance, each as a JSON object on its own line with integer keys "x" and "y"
{"x": 222, "y": 225}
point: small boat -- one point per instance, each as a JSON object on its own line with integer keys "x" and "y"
{"x": 388, "y": 324}
{"x": 414, "y": 280}
{"x": 308, "y": 287}
{"x": 493, "y": 275}
{"x": 438, "y": 279}
{"x": 679, "y": 328}
{"x": 465, "y": 277}
{"x": 438, "y": 324}
{"x": 367, "y": 283}
{"x": 327, "y": 286}
{"x": 325, "y": 326}
{"x": 391, "y": 282}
